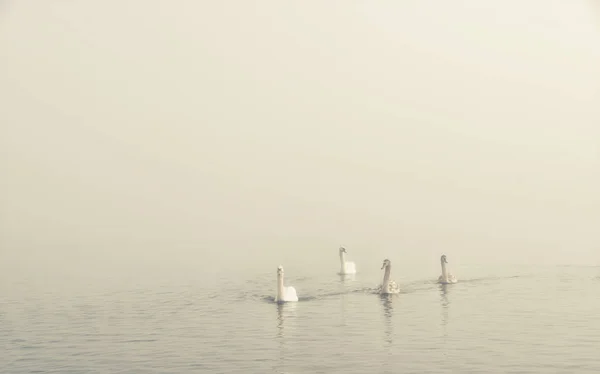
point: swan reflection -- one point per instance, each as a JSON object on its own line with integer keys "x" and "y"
{"x": 284, "y": 311}
{"x": 280, "y": 319}
{"x": 285, "y": 314}
{"x": 388, "y": 311}
{"x": 445, "y": 303}
{"x": 444, "y": 291}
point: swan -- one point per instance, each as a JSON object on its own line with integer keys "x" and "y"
{"x": 346, "y": 267}
{"x": 284, "y": 293}
{"x": 446, "y": 277}
{"x": 388, "y": 286}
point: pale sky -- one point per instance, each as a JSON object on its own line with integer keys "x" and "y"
{"x": 163, "y": 132}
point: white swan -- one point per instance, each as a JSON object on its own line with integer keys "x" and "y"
{"x": 446, "y": 277}
{"x": 346, "y": 267}
{"x": 284, "y": 293}
{"x": 388, "y": 286}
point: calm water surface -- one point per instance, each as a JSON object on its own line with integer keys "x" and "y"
{"x": 516, "y": 320}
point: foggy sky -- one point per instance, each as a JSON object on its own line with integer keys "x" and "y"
{"x": 174, "y": 132}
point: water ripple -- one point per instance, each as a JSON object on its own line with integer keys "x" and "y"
{"x": 526, "y": 323}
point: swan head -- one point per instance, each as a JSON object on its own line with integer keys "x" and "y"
{"x": 343, "y": 250}
{"x": 443, "y": 259}
{"x": 386, "y": 263}
{"x": 279, "y": 270}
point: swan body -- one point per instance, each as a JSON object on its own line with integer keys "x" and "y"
{"x": 346, "y": 267}
{"x": 388, "y": 286}
{"x": 284, "y": 294}
{"x": 446, "y": 277}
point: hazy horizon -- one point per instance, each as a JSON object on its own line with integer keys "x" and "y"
{"x": 188, "y": 134}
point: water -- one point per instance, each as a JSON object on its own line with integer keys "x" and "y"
{"x": 511, "y": 320}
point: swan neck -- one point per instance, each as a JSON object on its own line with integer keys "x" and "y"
{"x": 342, "y": 261}
{"x": 280, "y": 295}
{"x": 444, "y": 271}
{"x": 386, "y": 276}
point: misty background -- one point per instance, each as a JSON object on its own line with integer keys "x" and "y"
{"x": 182, "y": 137}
